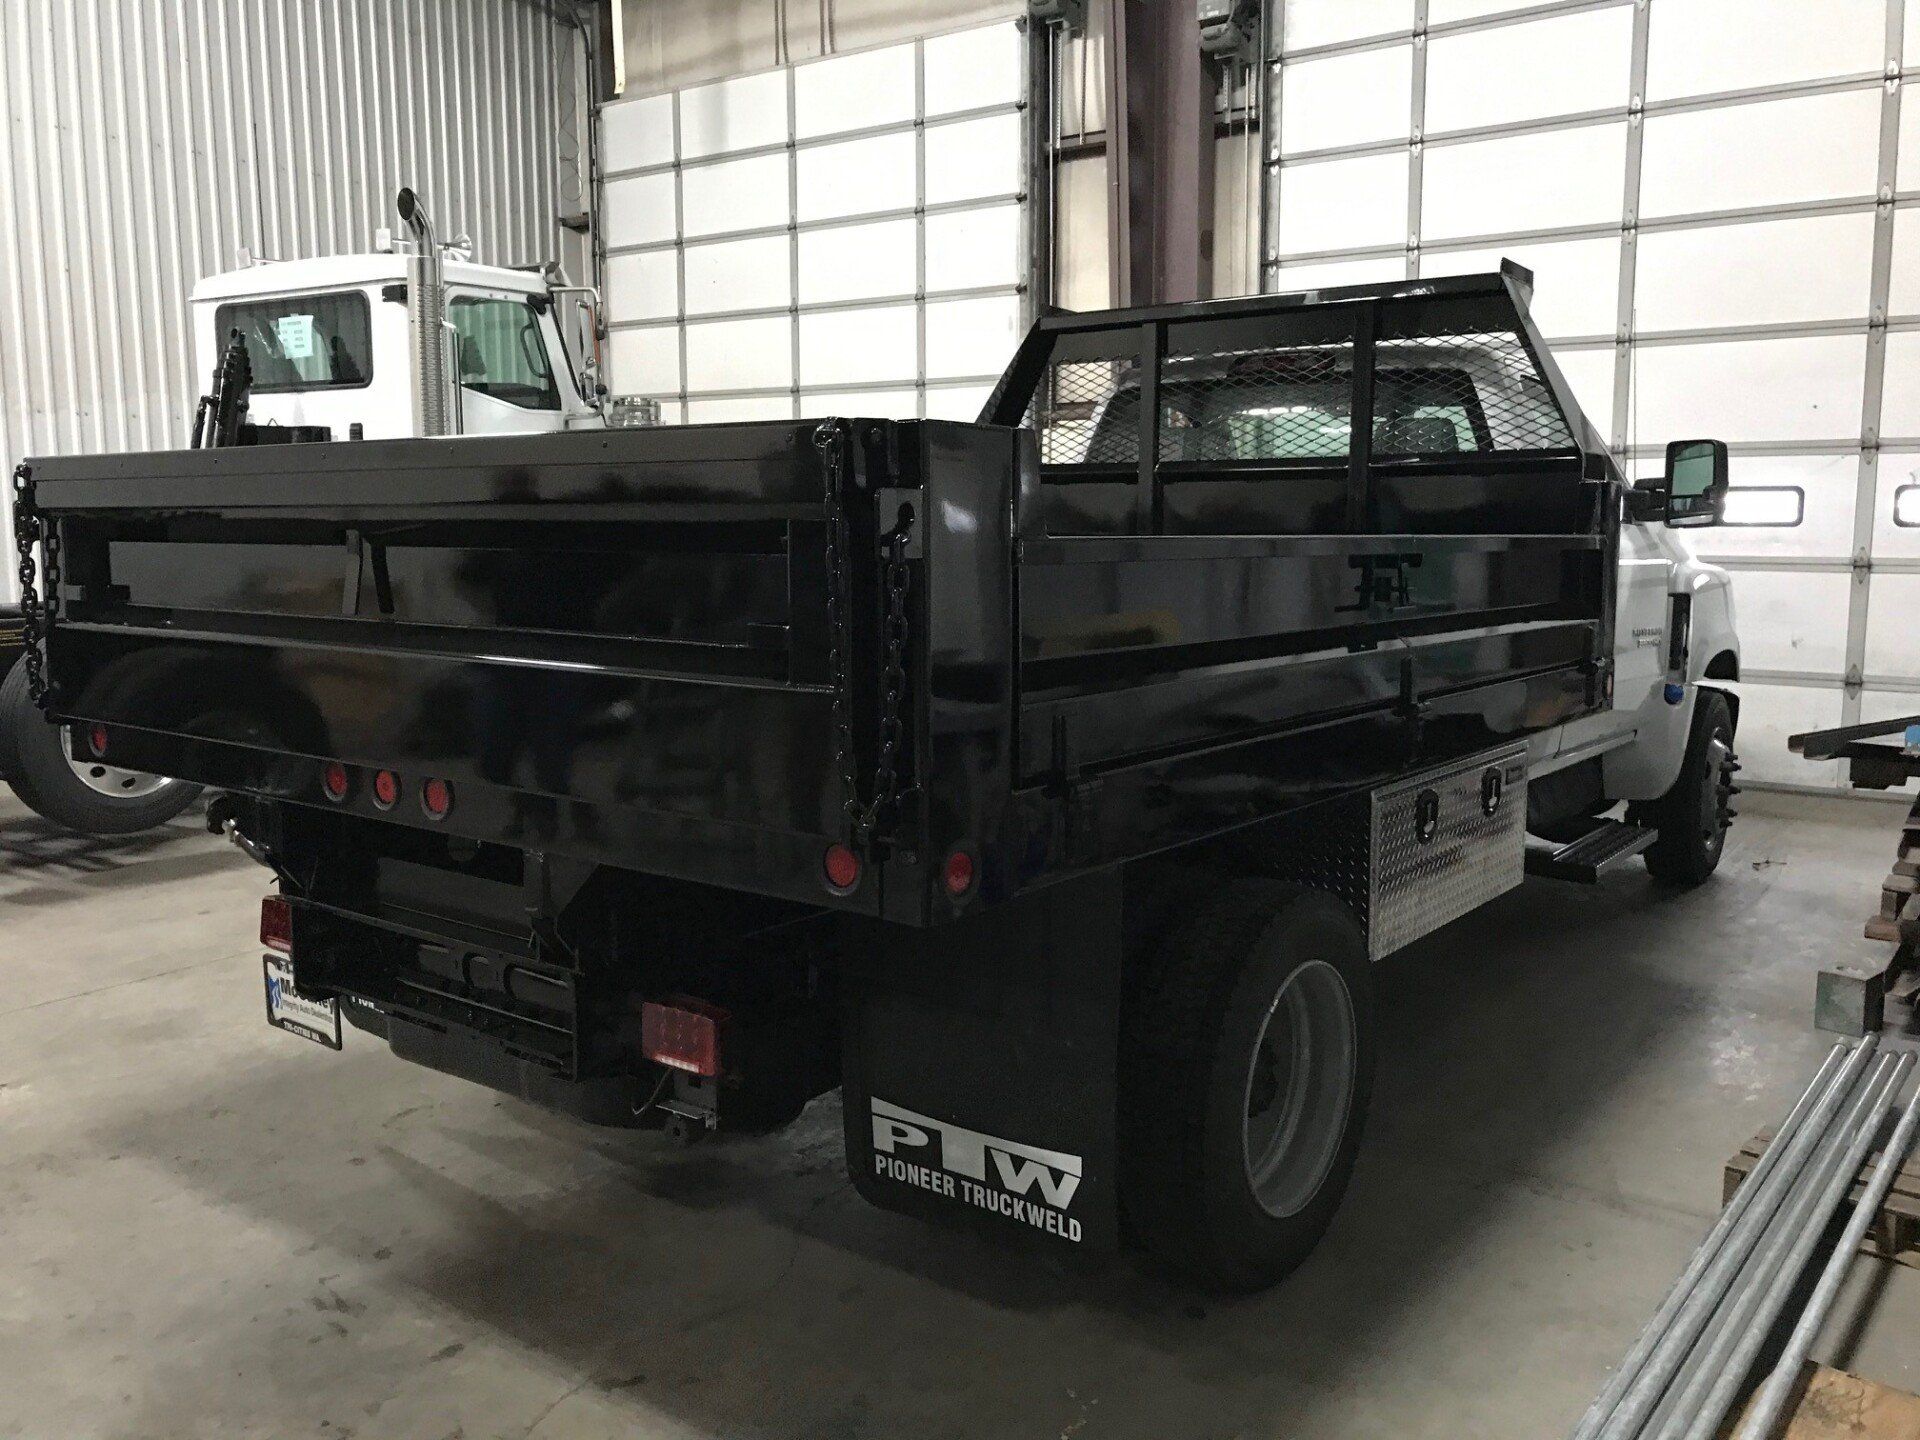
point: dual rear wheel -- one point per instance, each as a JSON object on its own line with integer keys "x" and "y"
{"x": 1249, "y": 1054}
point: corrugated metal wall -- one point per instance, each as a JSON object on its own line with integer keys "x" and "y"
{"x": 147, "y": 140}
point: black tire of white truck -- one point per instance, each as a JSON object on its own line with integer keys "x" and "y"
{"x": 1246, "y": 1068}
{"x": 36, "y": 766}
{"x": 1694, "y": 815}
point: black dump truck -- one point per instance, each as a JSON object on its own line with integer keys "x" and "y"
{"x": 1049, "y": 784}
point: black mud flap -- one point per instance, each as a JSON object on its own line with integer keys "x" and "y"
{"x": 980, "y": 1070}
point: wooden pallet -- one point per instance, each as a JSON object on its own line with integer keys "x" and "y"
{"x": 1833, "y": 1405}
{"x": 1895, "y": 1232}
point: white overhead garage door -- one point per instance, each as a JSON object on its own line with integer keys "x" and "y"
{"x": 1721, "y": 202}
{"x": 846, "y": 235}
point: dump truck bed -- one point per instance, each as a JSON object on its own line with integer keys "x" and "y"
{"x": 1195, "y": 567}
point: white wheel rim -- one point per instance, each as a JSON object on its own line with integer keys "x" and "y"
{"x": 1299, "y": 1089}
{"x": 109, "y": 780}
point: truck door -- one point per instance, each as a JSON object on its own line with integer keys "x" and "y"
{"x": 1640, "y": 621}
{"x": 509, "y": 383}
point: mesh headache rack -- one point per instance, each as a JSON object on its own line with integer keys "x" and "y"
{"x": 1335, "y": 386}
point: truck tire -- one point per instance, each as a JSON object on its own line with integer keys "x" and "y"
{"x": 1245, "y": 1071}
{"x": 1693, "y": 816}
{"x": 93, "y": 799}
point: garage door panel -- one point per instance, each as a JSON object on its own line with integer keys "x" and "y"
{"x": 738, "y": 275}
{"x": 645, "y": 361}
{"x": 1903, "y": 295}
{"x": 855, "y": 347}
{"x": 899, "y": 404}
{"x": 1699, "y": 47}
{"x": 740, "y": 354}
{"x": 971, "y": 249}
{"x": 639, "y": 210}
{"x": 1909, "y": 161}
{"x": 1814, "y": 147}
{"x": 728, "y": 411}
{"x": 1576, "y": 283}
{"x": 1590, "y": 375}
{"x": 857, "y": 177}
{"x": 1755, "y": 274}
{"x": 1524, "y": 182}
{"x": 1771, "y": 713}
{"x": 731, "y": 195}
{"x": 973, "y": 159}
{"x": 1900, "y": 397}
{"x": 1326, "y": 275}
{"x": 1347, "y": 99}
{"x": 1562, "y": 66}
{"x": 970, "y": 69}
{"x": 643, "y": 286}
{"x": 1791, "y": 389}
{"x": 1308, "y": 23}
{"x": 1893, "y": 648}
{"x": 744, "y": 113}
{"x": 1829, "y": 484}
{"x": 1793, "y": 620}
{"x": 1897, "y": 499}
{"x": 635, "y": 134}
{"x": 971, "y": 337}
{"x": 956, "y": 402}
{"x": 1342, "y": 204}
{"x": 854, "y": 92}
{"x": 859, "y": 262}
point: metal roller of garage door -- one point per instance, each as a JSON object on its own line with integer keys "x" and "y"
{"x": 1721, "y": 202}
{"x": 847, "y": 234}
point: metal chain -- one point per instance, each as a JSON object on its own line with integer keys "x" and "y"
{"x": 873, "y": 821}
{"x": 36, "y": 616}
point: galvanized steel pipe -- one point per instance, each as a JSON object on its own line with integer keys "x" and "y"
{"x": 1794, "y": 1248}
{"x": 1636, "y": 1357}
{"x": 1673, "y": 1346}
{"x": 1772, "y": 1397}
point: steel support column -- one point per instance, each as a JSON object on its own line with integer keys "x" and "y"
{"x": 1161, "y": 161}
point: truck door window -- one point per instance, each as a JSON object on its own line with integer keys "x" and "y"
{"x": 302, "y": 342}
{"x": 502, "y": 354}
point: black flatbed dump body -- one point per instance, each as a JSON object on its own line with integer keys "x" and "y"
{"x": 1200, "y": 576}
{"x": 1134, "y": 634}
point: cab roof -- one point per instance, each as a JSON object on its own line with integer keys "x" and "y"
{"x": 336, "y": 272}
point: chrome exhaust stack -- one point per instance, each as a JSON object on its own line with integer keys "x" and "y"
{"x": 431, "y": 339}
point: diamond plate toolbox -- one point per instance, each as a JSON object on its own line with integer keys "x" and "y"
{"x": 1445, "y": 841}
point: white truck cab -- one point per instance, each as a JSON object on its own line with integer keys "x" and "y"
{"x": 329, "y": 344}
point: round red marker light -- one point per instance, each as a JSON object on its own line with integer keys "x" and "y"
{"x": 386, "y": 789}
{"x": 436, "y": 798}
{"x": 97, "y": 741}
{"x": 334, "y": 780}
{"x": 959, "y": 873}
{"x": 842, "y": 867}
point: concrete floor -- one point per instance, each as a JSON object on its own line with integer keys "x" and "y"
{"x": 209, "y": 1228}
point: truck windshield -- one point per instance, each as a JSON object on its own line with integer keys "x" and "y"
{"x": 502, "y": 354}
{"x": 302, "y": 342}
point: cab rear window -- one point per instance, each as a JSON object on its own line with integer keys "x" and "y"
{"x": 303, "y": 342}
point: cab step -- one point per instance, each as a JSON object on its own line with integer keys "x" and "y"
{"x": 1607, "y": 844}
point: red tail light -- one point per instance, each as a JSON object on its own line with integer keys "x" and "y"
{"x": 958, "y": 873}
{"x": 97, "y": 741}
{"x": 436, "y": 798}
{"x": 842, "y": 867}
{"x": 335, "y": 781}
{"x": 386, "y": 789}
{"x": 682, "y": 1033}
{"x": 276, "y": 924}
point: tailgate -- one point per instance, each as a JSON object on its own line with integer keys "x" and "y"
{"x": 614, "y": 643}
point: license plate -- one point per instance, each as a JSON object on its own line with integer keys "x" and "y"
{"x": 302, "y": 1015}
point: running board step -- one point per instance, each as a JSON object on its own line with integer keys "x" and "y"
{"x": 1594, "y": 853}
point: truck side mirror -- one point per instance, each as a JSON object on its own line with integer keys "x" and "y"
{"x": 1696, "y": 483}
